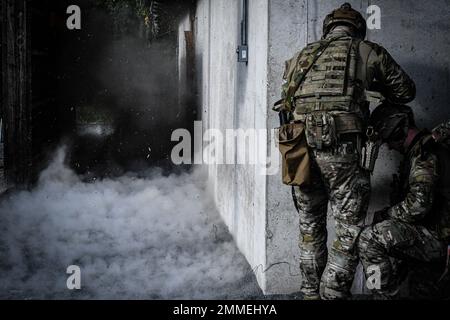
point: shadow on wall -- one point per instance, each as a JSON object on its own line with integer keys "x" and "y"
{"x": 430, "y": 108}
{"x": 432, "y": 104}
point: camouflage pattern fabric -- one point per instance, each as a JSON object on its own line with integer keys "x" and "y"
{"x": 297, "y": 69}
{"x": 375, "y": 70}
{"x": 422, "y": 195}
{"x": 418, "y": 201}
{"x": 387, "y": 244}
{"x": 339, "y": 180}
{"x": 442, "y": 133}
{"x": 411, "y": 233}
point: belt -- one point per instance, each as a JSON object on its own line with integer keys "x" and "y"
{"x": 345, "y": 122}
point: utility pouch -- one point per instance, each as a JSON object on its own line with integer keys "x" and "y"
{"x": 296, "y": 161}
{"x": 320, "y": 130}
{"x": 347, "y": 123}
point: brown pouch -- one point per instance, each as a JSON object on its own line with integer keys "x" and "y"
{"x": 296, "y": 161}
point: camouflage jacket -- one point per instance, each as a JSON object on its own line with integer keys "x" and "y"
{"x": 420, "y": 187}
{"x": 376, "y": 70}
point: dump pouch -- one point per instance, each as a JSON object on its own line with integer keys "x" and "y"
{"x": 296, "y": 161}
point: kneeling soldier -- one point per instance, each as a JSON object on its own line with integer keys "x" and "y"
{"x": 415, "y": 231}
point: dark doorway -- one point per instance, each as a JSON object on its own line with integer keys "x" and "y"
{"x": 108, "y": 91}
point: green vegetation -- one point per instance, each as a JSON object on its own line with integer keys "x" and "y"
{"x": 127, "y": 15}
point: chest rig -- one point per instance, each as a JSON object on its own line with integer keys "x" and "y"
{"x": 330, "y": 99}
{"x": 331, "y": 84}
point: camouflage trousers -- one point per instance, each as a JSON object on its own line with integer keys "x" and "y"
{"x": 339, "y": 181}
{"x": 388, "y": 245}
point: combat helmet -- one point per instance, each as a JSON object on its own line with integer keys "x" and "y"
{"x": 391, "y": 121}
{"x": 345, "y": 15}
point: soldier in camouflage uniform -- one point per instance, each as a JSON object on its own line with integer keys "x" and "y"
{"x": 325, "y": 88}
{"x": 416, "y": 229}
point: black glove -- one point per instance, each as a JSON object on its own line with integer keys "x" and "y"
{"x": 381, "y": 216}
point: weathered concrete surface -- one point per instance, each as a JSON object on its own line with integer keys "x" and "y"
{"x": 287, "y": 35}
{"x": 259, "y": 210}
{"x": 233, "y": 96}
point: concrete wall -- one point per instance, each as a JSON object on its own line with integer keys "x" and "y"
{"x": 287, "y": 34}
{"x": 184, "y": 25}
{"x": 259, "y": 209}
{"x": 233, "y": 96}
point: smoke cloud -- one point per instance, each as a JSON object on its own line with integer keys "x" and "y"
{"x": 133, "y": 238}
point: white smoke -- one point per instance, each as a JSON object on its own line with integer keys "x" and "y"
{"x": 139, "y": 238}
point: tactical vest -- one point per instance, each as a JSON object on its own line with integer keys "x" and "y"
{"x": 331, "y": 84}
